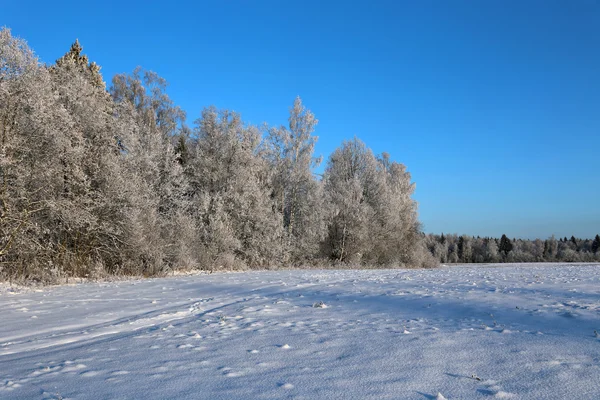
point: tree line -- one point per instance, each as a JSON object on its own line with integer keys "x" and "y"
{"x": 468, "y": 249}
{"x": 97, "y": 181}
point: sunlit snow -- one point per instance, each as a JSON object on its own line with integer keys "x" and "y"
{"x": 522, "y": 332}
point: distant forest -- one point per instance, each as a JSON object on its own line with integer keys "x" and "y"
{"x": 468, "y": 249}
{"x": 98, "y": 181}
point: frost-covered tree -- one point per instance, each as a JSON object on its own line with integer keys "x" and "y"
{"x": 465, "y": 249}
{"x": 146, "y": 92}
{"x": 523, "y": 250}
{"x": 350, "y": 169}
{"x": 58, "y": 165}
{"x": 371, "y": 216}
{"x": 31, "y": 134}
{"x": 162, "y": 228}
{"x": 550, "y": 249}
{"x": 491, "y": 251}
{"x": 95, "y": 181}
{"x": 91, "y": 209}
{"x": 231, "y": 187}
{"x": 395, "y": 231}
{"x": 296, "y": 194}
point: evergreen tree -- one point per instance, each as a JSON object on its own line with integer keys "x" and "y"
{"x": 505, "y": 245}
{"x": 574, "y": 241}
{"x": 596, "y": 244}
{"x": 181, "y": 149}
{"x": 74, "y": 60}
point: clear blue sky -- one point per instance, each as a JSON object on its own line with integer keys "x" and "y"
{"x": 494, "y": 106}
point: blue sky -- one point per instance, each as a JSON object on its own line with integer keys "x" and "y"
{"x": 494, "y": 106}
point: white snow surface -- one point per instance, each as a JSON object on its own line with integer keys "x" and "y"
{"x": 460, "y": 332}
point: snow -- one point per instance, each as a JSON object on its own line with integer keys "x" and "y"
{"x": 460, "y": 332}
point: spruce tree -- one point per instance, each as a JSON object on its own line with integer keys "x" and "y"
{"x": 596, "y": 244}
{"x": 73, "y": 59}
{"x": 461, "y": 245}
{"x": 574, "y": 241}
{"x": 181, "y": 150}
{"x": 505, "y": 245}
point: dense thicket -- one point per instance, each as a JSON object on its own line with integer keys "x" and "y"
{"x": 468, "y": 249}
{"x": 97, "y": 181}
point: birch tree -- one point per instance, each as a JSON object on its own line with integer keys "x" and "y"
{"x": 163, "y": 230}
{"x": 372, "y": 218}
{"x": 348, "y": 171}
{"x": 27, "y": 145}
{"x": 297, "y": 195}
{"x": 230, "y": 182}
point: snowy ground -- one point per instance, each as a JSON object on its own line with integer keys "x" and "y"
{"x": 523, "y": 332}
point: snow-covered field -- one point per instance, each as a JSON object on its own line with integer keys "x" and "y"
{"x": 461, "y": 332}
